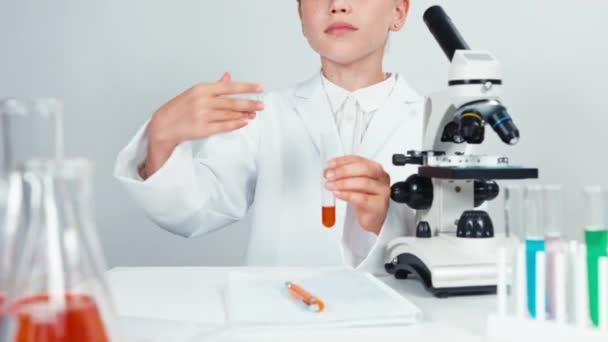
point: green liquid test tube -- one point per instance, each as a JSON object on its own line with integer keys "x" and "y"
{"x": 596, "y": 239}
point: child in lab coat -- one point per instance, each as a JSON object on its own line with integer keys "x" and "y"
{"x": 204, "y": 159}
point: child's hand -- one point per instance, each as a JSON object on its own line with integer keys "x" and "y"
{"x": 365, "y": 185}
{"x": 197, "y": 113}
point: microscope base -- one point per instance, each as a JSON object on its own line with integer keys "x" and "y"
{"x": 447, "y": 265}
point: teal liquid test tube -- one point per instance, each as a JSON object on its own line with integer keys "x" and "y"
{"x": 535, "y": 242}
{"x": 596, "y": 239}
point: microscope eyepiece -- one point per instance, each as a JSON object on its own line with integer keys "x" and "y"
{"x": 444, "y": 31}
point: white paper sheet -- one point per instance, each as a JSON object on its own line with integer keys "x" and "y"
{"x": 351, "y": 299}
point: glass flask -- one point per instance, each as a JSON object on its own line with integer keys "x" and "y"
{"x": 57, "y": 291}
{"x": 29, "y": 128}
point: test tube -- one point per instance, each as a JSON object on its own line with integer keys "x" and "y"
{"x": 502, "y": 282}
{"x": 328, "y": 200}
{"x": 580, "y": 290}
{"x": 596, "y": 239}
{"x": 513, "y": 200}
{"x": 534, "y": 240}
{"x": 560, "y": 298}
{"x": 554, "y": 242}
{"x": 521, "y": 310}
{"x": 603, "y": 294}
{"x": 514, "y": 211}
{"x": 541, "y": 286}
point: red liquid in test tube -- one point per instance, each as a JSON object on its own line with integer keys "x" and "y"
{"x": 328, "y": 216}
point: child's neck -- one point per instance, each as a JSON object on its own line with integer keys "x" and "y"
{"x": 359, "y": 74}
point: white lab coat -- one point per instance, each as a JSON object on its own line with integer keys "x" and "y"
{"x": 273, "y": 168}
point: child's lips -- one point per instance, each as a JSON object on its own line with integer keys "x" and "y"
{"x": 340, "y": 28}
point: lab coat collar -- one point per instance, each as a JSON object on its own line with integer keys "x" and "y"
{"x": 314, "y": 110}
{"x": 307, "y": 89}
{"x": 369, "y": 98}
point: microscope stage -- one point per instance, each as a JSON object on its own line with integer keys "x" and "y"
{"x": 485, "y": 173}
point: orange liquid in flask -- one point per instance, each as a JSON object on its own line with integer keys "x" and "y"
{"x": 78, "y": 321}
{"x": 1, "y": 303}
{"x": 328, "y": 216}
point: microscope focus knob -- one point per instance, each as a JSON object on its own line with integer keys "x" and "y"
{"x": 475, "y": 224}
{"x": 423, "y": 230}
{"x": 416, "y": 192}
{"x": 485, "y": 190}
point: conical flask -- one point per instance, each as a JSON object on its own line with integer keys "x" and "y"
{"x": 12, "y": 235}
{"x": 57, "y": 291}
{"x": 30, "y": 128}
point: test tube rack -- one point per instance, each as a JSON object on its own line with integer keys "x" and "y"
{"x": 515, "y": 329}
{"x": 569, "y": 318}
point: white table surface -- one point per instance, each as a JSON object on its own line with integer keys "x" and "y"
{"x": 190, "y": 299}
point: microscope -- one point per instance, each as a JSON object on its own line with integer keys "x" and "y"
{"x": 454, "y": 248}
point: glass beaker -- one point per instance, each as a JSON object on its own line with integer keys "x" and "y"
{"x": 57, "y": 290}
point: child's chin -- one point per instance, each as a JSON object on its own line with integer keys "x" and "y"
{"x": 345, "y": 55}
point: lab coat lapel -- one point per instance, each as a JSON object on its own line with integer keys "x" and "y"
{"x": 312, "y": 107}
{"x": 397, "y": 110}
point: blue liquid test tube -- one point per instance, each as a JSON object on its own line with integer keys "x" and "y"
{"x": 535, "y": 242}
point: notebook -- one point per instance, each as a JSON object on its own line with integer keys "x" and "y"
{"x": 351, "y": 299}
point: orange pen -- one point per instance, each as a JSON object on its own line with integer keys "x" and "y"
{"x": 312, "y": 302}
